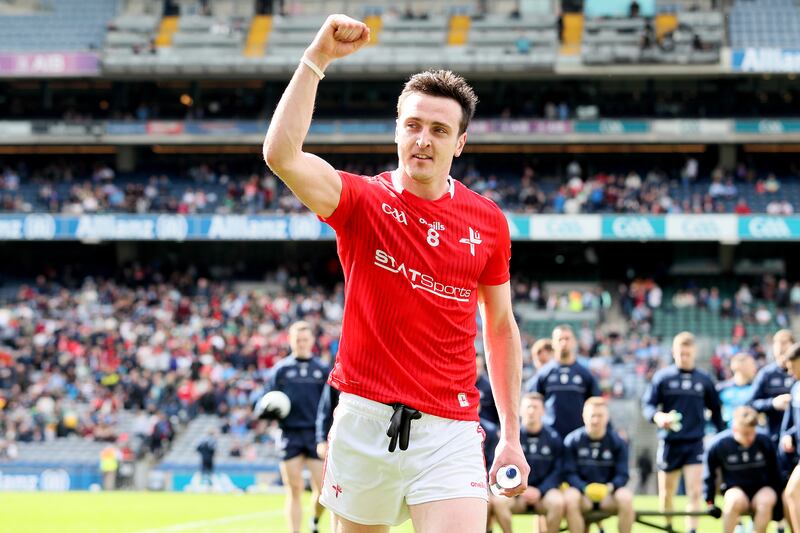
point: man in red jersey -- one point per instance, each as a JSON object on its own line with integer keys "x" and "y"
{"x": 420, "y": 254}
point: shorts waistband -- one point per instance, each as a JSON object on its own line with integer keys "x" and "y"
{"x": 383, "y": 412}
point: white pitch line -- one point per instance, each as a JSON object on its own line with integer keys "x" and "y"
{"x": 212, "y": 522}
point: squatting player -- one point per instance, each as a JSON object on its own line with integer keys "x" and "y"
{"x": 301, "y": 377}
{"x": 420, "y": 252}
{"x": 544, "y": 451}
{"x": 748, "y": 466}
{"x": 681, "y": 389}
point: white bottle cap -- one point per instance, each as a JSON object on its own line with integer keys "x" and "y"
{"x": 508, "y": 477}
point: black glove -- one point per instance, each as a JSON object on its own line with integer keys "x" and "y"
{"x": 400, "y": 426}
{"x": 713, "y": 511}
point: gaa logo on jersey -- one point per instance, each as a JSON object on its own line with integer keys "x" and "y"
{"x": 564, "y": 379}
{"x": 686, "y": 385}
{"x": 397, "y": 214}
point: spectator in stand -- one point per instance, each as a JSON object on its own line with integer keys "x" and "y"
{"x": 742, "y": 208}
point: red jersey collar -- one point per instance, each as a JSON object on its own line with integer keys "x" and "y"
{"x": 397, "y": 183}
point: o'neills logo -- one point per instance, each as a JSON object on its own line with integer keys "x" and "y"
{"x": 418, "y": 280}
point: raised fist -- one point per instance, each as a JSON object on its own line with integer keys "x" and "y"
{"x": 338, "y": 37}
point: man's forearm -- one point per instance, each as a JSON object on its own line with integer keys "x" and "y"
{"x": 504, "y": 359}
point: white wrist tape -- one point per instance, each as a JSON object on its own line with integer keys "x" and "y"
{"x": 313, "y": 66}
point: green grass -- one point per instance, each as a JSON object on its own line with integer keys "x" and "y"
{"x": 140, "y": 512}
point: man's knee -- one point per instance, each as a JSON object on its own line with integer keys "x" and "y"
{"x": 624, "y": 498}
{"x": 554, "y": 500}
{"x": 735, "y": 501}
{"x": 572, "y": 498}
{"x": 764, "y": 499}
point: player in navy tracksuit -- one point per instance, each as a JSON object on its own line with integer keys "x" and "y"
{"x": 681, "y": 390}
{"x": 301, "y": 377}
{"x": 790, "y": 439}
{"x": 564, "y": 383}
{"x": 595, "y": 455}
{"x": 543, "y": 449}
{"x": 748, "y": 466}
{"x": 770, "y": 394}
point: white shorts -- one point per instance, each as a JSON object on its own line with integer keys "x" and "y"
{"x": 365, "y": 483}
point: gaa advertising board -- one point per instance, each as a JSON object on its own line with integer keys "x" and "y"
{"x": 307, "y": 227}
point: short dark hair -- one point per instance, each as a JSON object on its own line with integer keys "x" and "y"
{"x": 446, "y": 84}
{"x": 745, "y": 416}
{"x": 793, "y": 352}
{"x": 542, "y": 344}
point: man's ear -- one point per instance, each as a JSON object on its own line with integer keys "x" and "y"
{"x": 462, "y": 140}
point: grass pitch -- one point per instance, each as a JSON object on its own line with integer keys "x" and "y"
{"x": 151, "y": 512}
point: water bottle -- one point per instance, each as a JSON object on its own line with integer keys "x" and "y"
{"x": 508, "y": 477}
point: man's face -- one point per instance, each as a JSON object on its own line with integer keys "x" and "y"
{"x": 780, "y": 344}
{"x": 564, "y": 344}
{"x": 745, "y": 367}
{"x": 794, "y": 368}
{"x": 542, "y": 357}
{"x": 684, "y": 356}
{"x": 532, "y": 411}
{"x": 595, "y": 418}
{"x": 744, "y": 435}
{"x": 427, "y": 136}
{"x": 302, "y": 343}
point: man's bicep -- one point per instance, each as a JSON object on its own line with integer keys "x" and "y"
{"x": 315, "y": 183}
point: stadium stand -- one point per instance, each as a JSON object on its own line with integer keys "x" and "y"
{"x": 696, "y": 38}
{"x": 764, "y": 24}
{"x": 62, "y": 25}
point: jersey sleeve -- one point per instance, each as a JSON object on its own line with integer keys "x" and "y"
{"x": 496, "y": 271}
{"x": 710, "y": 466}
{"x": 352, "y": 186}
{"x": 759, "y": 399}
{"x": 651, "y": 400}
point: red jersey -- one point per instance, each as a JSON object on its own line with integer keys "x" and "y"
{"x": 412, "y": 269}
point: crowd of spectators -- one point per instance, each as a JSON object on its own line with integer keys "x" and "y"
{"x": 207, "y": 188}
{"x": 165, "y": 348}
{"x": 130, "y": 359}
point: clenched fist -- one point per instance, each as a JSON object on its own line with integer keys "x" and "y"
{"x": 338, "y": 37}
